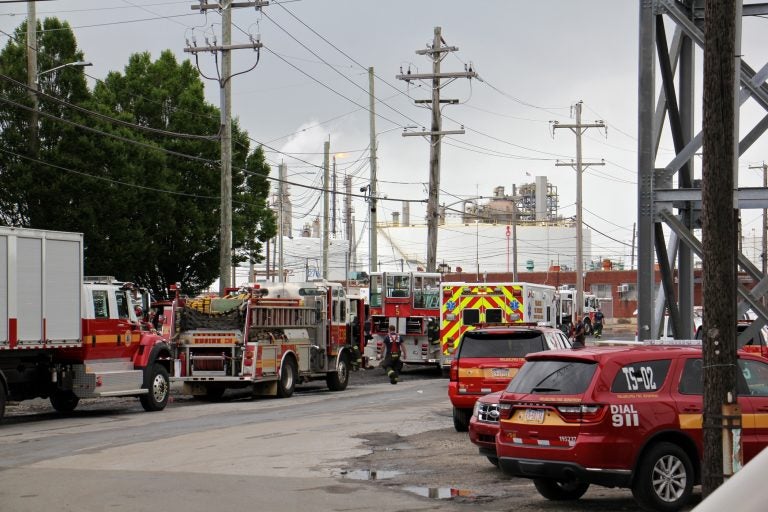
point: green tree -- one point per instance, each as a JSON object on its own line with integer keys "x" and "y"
{"x": 166, "y": 95}
{"x": 23, "y": 201}
{"x": 148, "y": 214}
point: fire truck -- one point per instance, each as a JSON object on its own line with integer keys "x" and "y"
{"x": 67, "y": 337}
{"x": 411, "y": 302}
{"x": 267, "y": 337}
{"x": 567, "y": 298}
{"x": 465, "y": 306}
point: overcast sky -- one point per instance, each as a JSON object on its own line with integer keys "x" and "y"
{"x": 535, "y": 61}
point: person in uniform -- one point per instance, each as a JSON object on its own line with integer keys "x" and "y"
{"x": 392, "y": 363}
{"x": 579, "y": 334}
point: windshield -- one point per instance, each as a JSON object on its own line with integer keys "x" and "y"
{"x": 478, "y": 344}
{"x": 553, "y": 377}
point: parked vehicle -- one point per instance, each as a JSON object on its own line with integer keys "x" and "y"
{"x": 566, "y": 297}
{"x": 484, "y": 425}
{"x": 267, "y": 338}
{"x": 466, "y": 306}
{"x": 757, "y": 343}
{"x": 619, "y": 417}
{"x": 409, "y": 301}
{"x": 67, "y": 337}
{"x": 488, "y": 357}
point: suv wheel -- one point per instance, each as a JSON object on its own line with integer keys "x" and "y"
{"x": 664, "y": 478}
{"x": 461, "y": 419}
{"x": 561, "y": 491}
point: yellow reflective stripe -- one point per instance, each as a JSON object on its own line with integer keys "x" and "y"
{"x": 690, "y": 421}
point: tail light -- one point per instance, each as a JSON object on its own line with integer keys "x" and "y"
{"x": 583, "y": 413}
{"x": 454, "y": 374}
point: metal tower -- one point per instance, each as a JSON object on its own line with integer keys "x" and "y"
{"x": 668, "y": 194}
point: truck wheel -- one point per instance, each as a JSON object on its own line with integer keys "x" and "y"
{"x": 461, "y": 419}
{"x": 64, "y": 401}
{"x": 287, "y": 382}
{"x": 664, "y": 478}
{"x": 156, "y": 381}
{"x": 561, "y": 491}
{"x": 338, "y": 380}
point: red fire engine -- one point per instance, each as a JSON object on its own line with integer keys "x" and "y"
{"x": 268, "y": 337}
{"x": 411, "y": 302}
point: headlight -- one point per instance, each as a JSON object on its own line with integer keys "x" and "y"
{"x": 476, "y": 409}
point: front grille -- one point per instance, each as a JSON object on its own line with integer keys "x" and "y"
{"x": 488, "y": 413}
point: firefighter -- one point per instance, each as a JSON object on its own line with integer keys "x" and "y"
{"x": 392, "y": 363}
{"x": 598, "y": 329}
{"x": 357, "y": 358}
{"x": 579, "y": 334}
{"x": 433, "y": 331}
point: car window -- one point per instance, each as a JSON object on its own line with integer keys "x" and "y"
{"x": 752, "y": 380}
{"x": 553, "y": 377}
{"x": 479, "y": 344}
{"x": 755, "y": 373}
{"x": 556, "y": 340}
{"x": 641, "y": 377}
{"x": 692, "y": 379}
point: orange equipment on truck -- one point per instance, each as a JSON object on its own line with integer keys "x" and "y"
{"x": 66, "y": 337}
{"x": 464, "y": 306}
{"x": 267, "y": 337}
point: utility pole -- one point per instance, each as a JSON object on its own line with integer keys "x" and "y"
{"x": 350, "y": 232}
{"x": 281, "y": 195}
{"x": 579, "y": 128}
{"x": 764, "y": 253}
{"x": 437, "y": 52}
{"x": 719, "y": 216}
{"x": 32, "y": 76}
{"x": 333, "y": 199}
{"x": 225, "y": 130}
{"x": 326, "y": 176}
{"x": 372, "y": 240}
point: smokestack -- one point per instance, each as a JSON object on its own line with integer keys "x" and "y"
{"x": 406, "y": 213}
{"x": 541, "y": 198}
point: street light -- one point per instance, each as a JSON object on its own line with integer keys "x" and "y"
{"x": 77, "y": 64}
{"x": 35, "y": 100}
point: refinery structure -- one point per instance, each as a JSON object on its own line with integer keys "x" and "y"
{"x": 476, "y": 236}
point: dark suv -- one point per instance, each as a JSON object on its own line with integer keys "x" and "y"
{"x": 488, "y": 357}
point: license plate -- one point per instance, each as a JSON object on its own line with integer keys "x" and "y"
{"x": 500, "y": 372}
{"x": 534, "y": 416}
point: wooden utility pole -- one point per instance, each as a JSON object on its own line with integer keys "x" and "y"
{"x": 32, "y": 76}
{"x": 719, "y": 218}
{"x": 437, "y": 52}
{"x": 326, "y": 206}
{"x": 225, "y": 130}
{"x": 579, "y": 128}
{"x": 372, "y": 240}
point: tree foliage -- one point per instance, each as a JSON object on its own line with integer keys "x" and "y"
{"x": 146, "y": 200}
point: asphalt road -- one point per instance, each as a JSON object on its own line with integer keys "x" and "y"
{"x": 375, "y": 446}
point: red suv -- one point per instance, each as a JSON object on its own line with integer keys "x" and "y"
{"x": 619, "y": 417}
{"x": 484, "y": 425}
{"x": 488, "y": 357}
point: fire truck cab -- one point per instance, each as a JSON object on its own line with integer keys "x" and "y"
{"x": 411, "y": 302}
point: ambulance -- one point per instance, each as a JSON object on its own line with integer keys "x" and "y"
{"x": 465, "y": 306}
